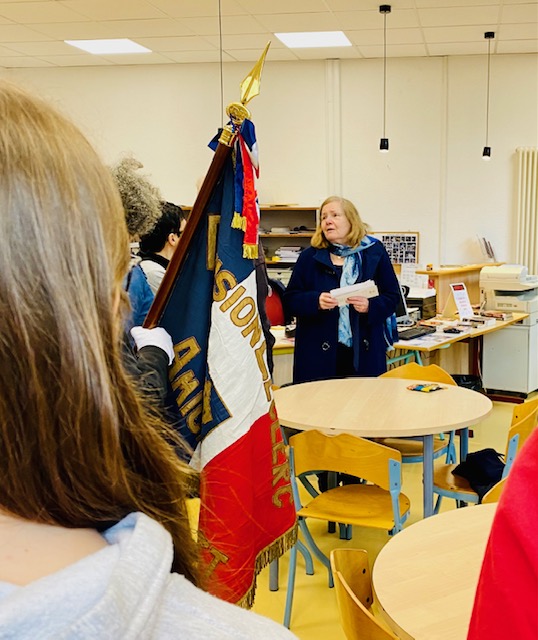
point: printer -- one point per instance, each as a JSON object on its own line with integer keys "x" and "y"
{"x": 510, "y": 356}
{"x": 509, "y": 288}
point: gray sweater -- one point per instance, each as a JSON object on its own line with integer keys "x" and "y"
{"x": 125, "y": 591}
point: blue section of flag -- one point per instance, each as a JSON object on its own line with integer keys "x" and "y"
{"x": 188, "y": 312}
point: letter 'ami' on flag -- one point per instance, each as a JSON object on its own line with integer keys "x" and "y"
{"x": 222, "y": 387}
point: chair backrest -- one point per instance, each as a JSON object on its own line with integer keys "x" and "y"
{"x": 344, "y": 453}
{"x": 276, "y": 310}
{"x": 522, "y": 410}
{"x": 518, "y": 435}
{"x": 353, "y": 586}
{"x": 414, "y": 371}
{"x": 494, "y": 494}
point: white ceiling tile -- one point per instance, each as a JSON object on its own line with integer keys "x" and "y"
{"x": 247, "y": 41}
{"x": 87, "y": 60}
{"x": 198, "y": 56}
{"x": 456, "y": 48}
{"x": 40, "y": 12}
{"x": 455, "y": 3}
{"x": 457, "y": 34}
{"x": 233, "y": 25}
{"x": 459, "y": 16}
{"x": 374, "y": 20}
{"x": 146, "y": 28}
{"x": 19, "y": 33}
{"x": 114, "y": 9}
{"x": 125, "y": 59}
{"x": 39, "y": 49}
{"x": 283, "y": 22}
{"x": 517, "y": 46}
{"x": 194, "y": 8}
{"x": 395, "y": 36}
{"x": 265, "y": 7}
{"x": 22, "y": 62}
{"x": 185, "y": 43}
{"x": 251, "y": 55}
{"x": 518, "y": 32}
{"x": 74, "y": 30}
{"x": 8, "y": 51}
{"x": 347, "y": 5}
{"x": 328, "y": 53}
{"x": 520, "y": 13}
{"x": 398, "y": 51}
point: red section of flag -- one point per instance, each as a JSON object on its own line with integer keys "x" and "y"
{"x": 247, "y": 514}
{"x": 250, "y": 208}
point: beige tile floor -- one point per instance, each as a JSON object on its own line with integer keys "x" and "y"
{"x": 315, "y": 614}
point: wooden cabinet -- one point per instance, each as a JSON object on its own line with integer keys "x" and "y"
{"x": 443, "y": 277}
{"x": 282, "y": 227}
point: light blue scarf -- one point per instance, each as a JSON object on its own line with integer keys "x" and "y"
{"x": 351, "y": 273}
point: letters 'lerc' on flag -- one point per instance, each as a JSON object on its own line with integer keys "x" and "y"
{"x": 223, "y": 390}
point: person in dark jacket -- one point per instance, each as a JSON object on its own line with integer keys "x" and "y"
{"x": 350, "y": 340}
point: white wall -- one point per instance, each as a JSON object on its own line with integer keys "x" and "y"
{"x": 319, "y": 125}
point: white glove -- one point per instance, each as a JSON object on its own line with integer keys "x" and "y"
{"x": 157, "y": 337}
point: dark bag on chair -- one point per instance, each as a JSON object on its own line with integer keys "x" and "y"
{"x": 483, "y": 469}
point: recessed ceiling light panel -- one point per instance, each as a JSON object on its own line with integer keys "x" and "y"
{"x": 119, "y": 45}
{"x": 314, "y": 39}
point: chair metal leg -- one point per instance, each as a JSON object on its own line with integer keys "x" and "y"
{"x": 307, "y": 558}
{"x": 291, "y": 586}
{"x": 317, "y": 551}
{"x": 346, "y": 531}
{"x": 273, "y": 575}
{"x": 427, "y": 475}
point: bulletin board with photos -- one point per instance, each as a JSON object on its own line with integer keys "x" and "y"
{"x": 402, "y": 246}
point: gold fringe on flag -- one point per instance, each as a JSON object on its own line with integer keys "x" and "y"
{"x": 238, "y": 222}
{"x": 250, "y": 251}
{"x": 274, "y": 551}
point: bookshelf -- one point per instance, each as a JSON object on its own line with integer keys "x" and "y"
{"x": 282, "y": 226}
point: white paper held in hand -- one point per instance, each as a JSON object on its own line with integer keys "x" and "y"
{"x": 367, "y": 289}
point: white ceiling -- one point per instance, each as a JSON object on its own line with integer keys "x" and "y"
{"x": 32, "y": 31}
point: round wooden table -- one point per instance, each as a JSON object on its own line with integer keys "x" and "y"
{"x": 382, "y": 407}
{"x": 425, "y": 578}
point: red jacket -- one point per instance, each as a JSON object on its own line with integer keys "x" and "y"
{"x": 506, "y": 601}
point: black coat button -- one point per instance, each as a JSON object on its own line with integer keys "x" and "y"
{"x": 325, "y": 346}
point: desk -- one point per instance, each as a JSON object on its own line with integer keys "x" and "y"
{"x": 380, "y": 408}
{"x": 440, "y": 340}
{"x": 443, "y": 277}
{"x": 425, "y": 578}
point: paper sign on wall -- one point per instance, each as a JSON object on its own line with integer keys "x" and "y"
{"x": 458, "y": 301}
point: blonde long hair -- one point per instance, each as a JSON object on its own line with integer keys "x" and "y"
{"x": 78, "y": 446}
{"x": 358, "y": 230}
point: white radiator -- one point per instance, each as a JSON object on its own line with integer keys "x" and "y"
{"x": 527, "y": 208}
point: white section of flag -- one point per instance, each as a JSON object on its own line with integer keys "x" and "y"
{"x": 236, "y": 375}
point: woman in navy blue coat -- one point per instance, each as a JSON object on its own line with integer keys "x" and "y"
{"x": 352, "y": 340}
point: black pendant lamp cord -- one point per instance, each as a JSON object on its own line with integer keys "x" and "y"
{"x": 384, "y": 73}
{"x": 487, "y": 93}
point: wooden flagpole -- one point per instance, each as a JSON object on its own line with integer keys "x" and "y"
{"x": 162, "y": 296}
{"x": 250, "y": 87}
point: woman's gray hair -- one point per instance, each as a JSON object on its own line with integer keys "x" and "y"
{"x": 141, "y": 199}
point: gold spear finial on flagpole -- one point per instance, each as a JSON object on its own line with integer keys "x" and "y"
{"x": 250, "y": 88}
